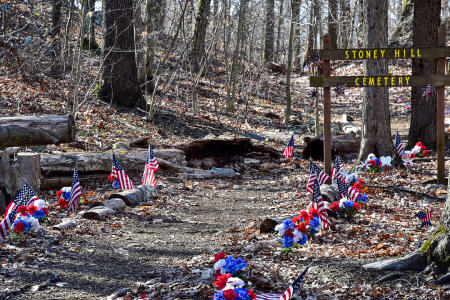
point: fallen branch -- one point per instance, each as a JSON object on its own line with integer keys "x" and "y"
{"x": 397, "y": 188}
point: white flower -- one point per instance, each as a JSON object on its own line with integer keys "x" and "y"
{"x": 35, "y": 225}
{"x": 40, "y": 204}
{"x": 342, "y": 202}
{"x": 280, "y": 228}
{"x": 234, "y": 282}
{"x": 219, "y": 264}
{"x": 350, "y": 178}
{"x": 416, "y": 149}
{"x": 385, "y": 160}
{"x": 67, "y": 189}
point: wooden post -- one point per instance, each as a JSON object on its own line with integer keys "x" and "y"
{"x": 326, "y": 111}
{"x": 440, "y": 112}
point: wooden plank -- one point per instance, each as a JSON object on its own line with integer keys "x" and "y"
{"x": 440, "y": 113}
{"x": 327, "y": 112}
{"x": 384, "y": 53}
{"x": 379, "y": 81}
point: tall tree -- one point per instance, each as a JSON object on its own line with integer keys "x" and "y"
{"x": 376, "y": 129}
{"x": 345, "y": 23}
{"x": 423, "y": 110}
{"x": 56, "y": 68}
{"x": 297, "y": 64}
{"x": 361, "y": 18}
{"x": 332, "y": 22}
{"x": 295, "y": 4}
{"x": 120, "y": 85}
{"x": 235, "y": 63}
{"x": 280, "y": 21}
{"x": 201, "y": 24}
{"x": 268, "y": 45}
{"x": 92, "y": 43}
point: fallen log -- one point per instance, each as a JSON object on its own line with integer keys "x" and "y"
{"x": 34, "y": 130}
{"x": 98, "y": 213}
{"x": 139, "y": 194}
{"x": 340, "y": 144}
{"x": 397, "y": 188}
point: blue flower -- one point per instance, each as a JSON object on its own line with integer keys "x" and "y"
{"x": 242, "y": 294}
{"x": 27, "y": 226}
{"x": 314, "y": 222}
{"x": 363, "y": 198}
{"x": 219, "y": 295}
{"x": 232, "y": 266}
{"x": 348, "y": 204}
{"x": 40, "y": 214}
{"x": 287, "y": 241}
{"x": 288, "y": 224}
{"x": 66, "y": 195}
{"x": 303, "y": 240}
{"x": 116, "y": 184}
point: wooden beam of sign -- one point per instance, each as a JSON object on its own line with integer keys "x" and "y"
{"x": 379, "y": 81}
{"x": 385, "y": 53}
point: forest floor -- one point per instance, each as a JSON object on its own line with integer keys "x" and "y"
{"x": 165, "y": 248}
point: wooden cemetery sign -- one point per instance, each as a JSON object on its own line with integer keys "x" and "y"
{"x": 438, "y": 81}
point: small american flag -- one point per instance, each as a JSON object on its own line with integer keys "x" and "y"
{"x": 353, "y": 194}
{"x": 343, "y": 187}
{"x": 25, "y": 196}
{"x": 151, "y": 166}
{"x": 337, "y": 168}
{"x": 289, "y": 292}
{"x": 323, "y": 177}
{"x": 398, "y": 144}
{"x": 425, "y": 217}
{"x": 75, "y": 193}
{"x": 289, "y": 151}
{"x": 119, "y": 174}
{"x": 317, "y": 203}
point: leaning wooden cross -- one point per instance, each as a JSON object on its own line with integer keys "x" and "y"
{"x": 439, "y": 81}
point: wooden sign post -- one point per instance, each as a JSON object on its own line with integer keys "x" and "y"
{"x": 440, "y": 80}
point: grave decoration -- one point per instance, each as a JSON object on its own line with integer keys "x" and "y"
{"x": 345, "y": 208}
{"x": 419, "y": 150}
{"x": 64, "y": 196}
{"x": 375, "y": 164}
{"x": 29, "y": 217}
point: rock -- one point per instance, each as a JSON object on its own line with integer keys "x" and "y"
{"x": 268, "y": 166}
{"x": 249, "y": 161}
{"x": 222, "y": 172}
{"x": 268, "y": 226}
{"x": 69, "y": 223}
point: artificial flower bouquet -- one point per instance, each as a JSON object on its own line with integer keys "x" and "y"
{"x": 230, "y": 282}
{"x": 408, "y": 158}
{"x": 374, "y": 164}
{"x": 29, "y": 217}
{"x": 419, "y": 150}
{"x": 64, "y": 197}
{"x": 114, "y": 181}
{"x": 295, "y": 231}
{"x": 345, "y": 208}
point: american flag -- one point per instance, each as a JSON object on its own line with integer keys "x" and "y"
{"x": 119, "y": 174}
{"x": 151, "y": 166}
{"x": 343, "y": 187}
{"x": 323, "y": 177}
{"x": 317, "y": 203}
{"x": 353, "y": 194}
{"x": 425, "y": 217}
{"x": 25, "y": 196}
{"x": 289, "y": 292}
{"x": 75, "y": 193}
{"x": 289, "y": 151}
{"x": 337, "y": 168}
{"x": 398, "y": 144}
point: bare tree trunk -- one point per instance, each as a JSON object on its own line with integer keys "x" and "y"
{"x": 120, "y": 85}
{"x": 56, "y": 68}
{"x": 345, "y": 23}
{"x": 297, "y": 64}
{"x": 309, "y": 55}
{"x": 235, "y": 63}
{"x": 287, "y": 113}
{"x": 268, "y": 45}
{"x": 92, "y": 43}
{"x": 376, "y": 130}
{"x": 332, "y": 22}
{"x": 316, "y": 24}
{"x": 361, "y": 24}
{"x": 424, "y": 110}
{"x": 201, "y": 24}
{"x": 280, "y": 21}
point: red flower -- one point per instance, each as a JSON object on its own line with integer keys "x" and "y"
{"x": 419, "y": 144}
{"x": 289, "y": 233}
{"x": 59, "y": 193}
{"x": 22, "y": 210}
{"x": 296, "y": 219}
{"x": 229, "y": 295}
{"x": 372, "y": 163}
{"x": 217, "y": 273}
{"x": 356, "y": 206}
{"x": 111, "y": 177}
{"x": 360, "y": 181}
{"x": 45, "y": 211}
{"x": 334, "y": 206}
{"x": 32, "y": 209}
{"x": 63, "y": 203}
{"x": 252, "y": 295}
{"x": 143, "y": 296}
{"x": 305, "y": 215}
{"x": 425, "y": 152}
{"x": 302, "y": 227}
{"x": 412, "y": 155}
{"x": 313, "y": 212}
{"x": 357, "y": 186}
{"x": 221, "y": 281}
{"x": 20, "y": 227}
{"x": 220, "y": 255}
